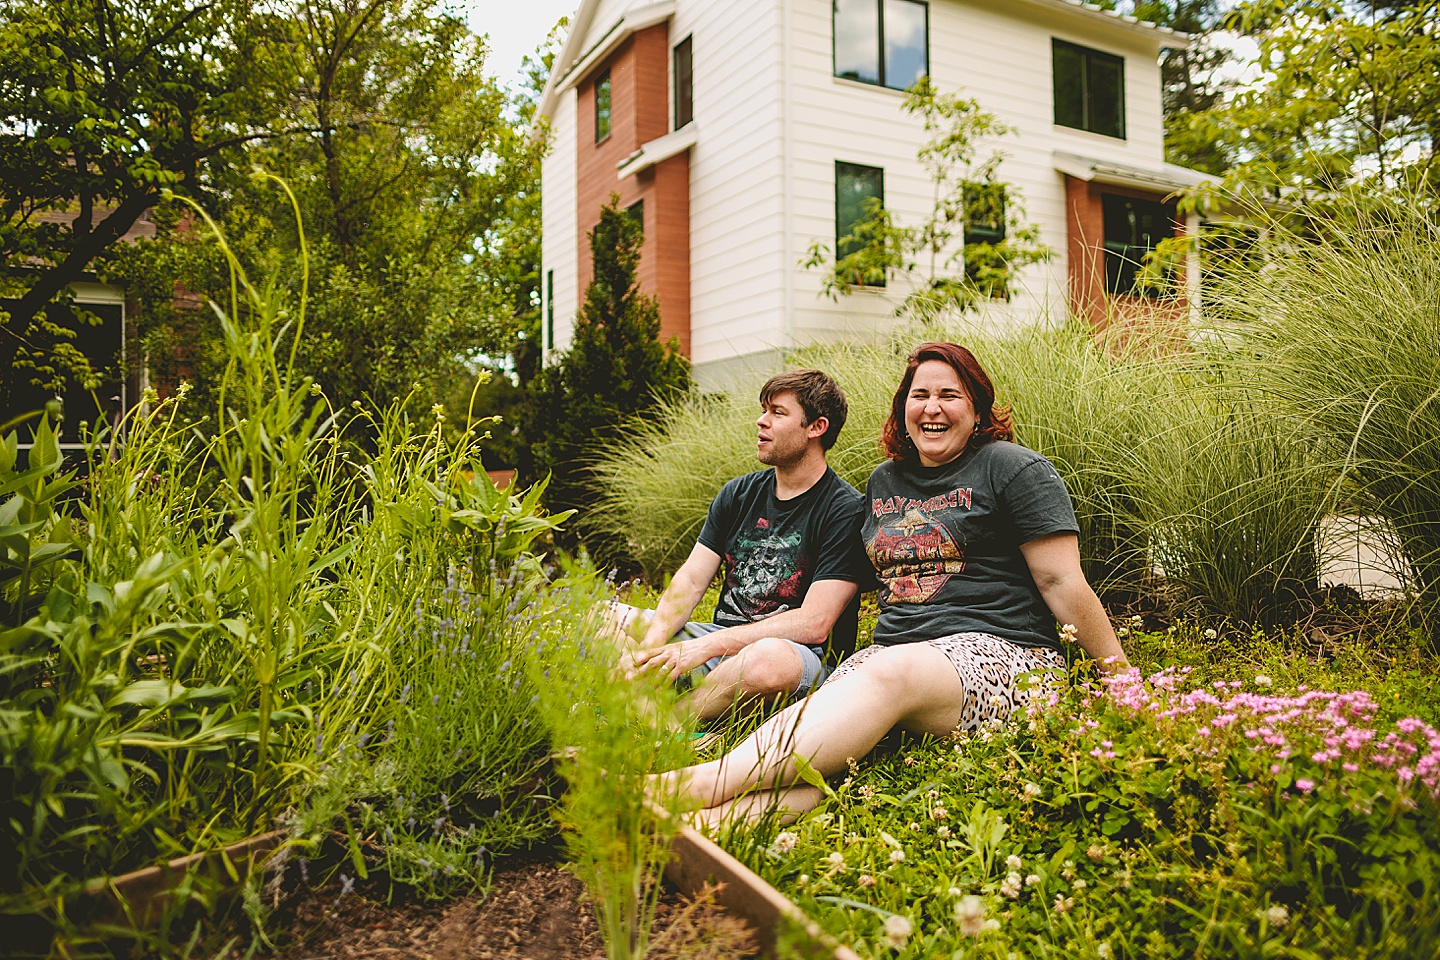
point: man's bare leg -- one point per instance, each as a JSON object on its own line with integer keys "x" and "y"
{"x": 766, "y": 669}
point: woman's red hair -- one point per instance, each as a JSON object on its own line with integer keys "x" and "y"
{"x": 995, "y": 422}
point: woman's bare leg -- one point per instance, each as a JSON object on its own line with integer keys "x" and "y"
{"x": 912, "y": 686}
{"x": 791, "y": 804}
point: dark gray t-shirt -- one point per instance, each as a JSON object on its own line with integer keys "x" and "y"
{"x": 774, "y": 549}
{"x": 945, "y": 544}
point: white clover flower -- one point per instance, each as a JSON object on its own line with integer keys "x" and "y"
{"x": 1080, "y": 884}
{"x": 1063, "y": 904}
{"x": 939, "y": 813}
{"x": 956, "y": 891}
{"x": 1033, "y": 791}
{"x": 1277, "y": 916}
{"x": 1262, "y": 681}
{"x": 837, "y": 860}
{"x": 1033, "y": 879}
{"x": 785, "y": 841}
{"x": 1211, "y": 634}
{"x": 897, "y": 931}
{"x": 1103, "y": 951}
{"x": 942, "y": 831}
{"x": 1012, "y": 885}
{"x": 1013, "y": 862}
{"x": 865, "y": 880}
{"x": 970, "y": 915}
{"x": 1095, "y": 852}
{"x": 997, "y": 701}
{"x": 1067, "y": 869}
{"x": 897, "y": 856}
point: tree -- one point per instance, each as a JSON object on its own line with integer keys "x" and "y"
{"x": 105, "y": 104}
{"x": 418, "y": 187}
{"x": 972, "y": 243}
{"x": 615, "y": 368}
{"x": 1350, "y": 93}
{"x": 1189, "y": 81}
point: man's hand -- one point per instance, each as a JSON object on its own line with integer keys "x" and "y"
{"x": 675, "y": 658}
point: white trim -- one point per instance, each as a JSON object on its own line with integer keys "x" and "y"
{"x": 1170, "y": 177}
{"x": 630, "y": 23}
{"x": 1167, "y": 37}
{"x": 661, "y": 148}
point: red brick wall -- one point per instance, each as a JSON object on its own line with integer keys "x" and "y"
{"x": 639, "y": 113}
{"x": 1117, "y": 321}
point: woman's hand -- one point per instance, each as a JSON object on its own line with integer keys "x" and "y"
{"x": 1054, "y": 563}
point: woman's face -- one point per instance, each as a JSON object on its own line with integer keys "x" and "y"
{"x": 938, "y": 413}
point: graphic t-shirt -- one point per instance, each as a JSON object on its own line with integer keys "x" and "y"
{"x": 945, "y": 544}
{"x": 774, "y": 549}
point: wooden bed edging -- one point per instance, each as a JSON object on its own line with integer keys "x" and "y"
{"x": 141, "y": 896}
{"x": 698, "y": 860}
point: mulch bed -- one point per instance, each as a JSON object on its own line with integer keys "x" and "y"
{"x": 533, "y": 911}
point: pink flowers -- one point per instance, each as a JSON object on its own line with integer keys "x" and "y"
{"x": 1320, "y": 726}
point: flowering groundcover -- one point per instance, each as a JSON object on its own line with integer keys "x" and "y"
{"x": 1147, "y": 815}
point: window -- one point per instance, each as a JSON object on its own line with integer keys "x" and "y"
{"x": 884, "y": 42}
{"x": 1089, "y": 89}
{"x": 1132, "y": 229}
{"x": 854, "y": 185}
{"x": 984, "y": 212}
{"x": 602, "y": 107}
{"x": 549, "y": 310}
{"x": 636, "y": 212}
{"x": 684, "y": 84}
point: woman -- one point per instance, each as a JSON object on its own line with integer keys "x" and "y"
{"x": 976, "y": 548}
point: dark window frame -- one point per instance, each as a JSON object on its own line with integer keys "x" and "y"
{"x": 684, "y": 112}
{"x": 603, "y": 80}
{"x": 842, "y": 231}
{"x": 636, "y": 212}
{"x": 1122, "y": 261}
{"x": 879, "y": 46}
{"x": 549, "y": 310}
{"x": 1088, "y": 57}
{"x": 995, "y": 230}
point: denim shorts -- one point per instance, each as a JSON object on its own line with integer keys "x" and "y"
{"x": 813, "y": 670}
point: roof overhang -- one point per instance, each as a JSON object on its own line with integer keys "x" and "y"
{"x": 1165, "y": 36}
{"x": 572, "y": 63}
{"x": 1169, "y": 177}
{"x": 661, "y": 148}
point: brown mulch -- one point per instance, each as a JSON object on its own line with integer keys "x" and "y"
{"x": 533, "y": 911}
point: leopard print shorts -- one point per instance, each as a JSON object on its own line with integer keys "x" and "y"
{"x": 988, "y": 667}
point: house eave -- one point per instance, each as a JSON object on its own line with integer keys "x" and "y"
{"x": 1168, "y": 177}
{"x": 1166, "y": 37}
{"x": 572, "y": 63}
{"x": 658, "y": 150}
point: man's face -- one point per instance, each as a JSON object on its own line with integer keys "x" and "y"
{"x": 783, "y": 435}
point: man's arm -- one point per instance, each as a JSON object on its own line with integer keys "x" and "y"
{"x": 1054, "y": 562}
{"x": 680, "y": 597}
{"x": 809, "y": 624}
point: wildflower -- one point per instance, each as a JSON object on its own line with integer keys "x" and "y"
{"x": 939, "y": 813}
{"x": 1211, "y": 635}
{"x": 942, "y": 831}
{"x": 837, "y": 860}
{"x": 183, "y": 391}
{"x": 955, "y": 891}
{"x": 785, "y": 841}
{"x": 970, "y": 915}
{"x": 1277, "y": 916}
{"x": 914, "y": 825}
{"x": 1095, "y": 852}
{"x": 897, "y": 931}
{"x": 865, "y": 880}
{"x": 1067, "y": 632}
{"x": 1067, "y": 870}
{"x": 437, "y": 410}
{"x": 1033, "y": 879}
{"x": 866, "y": 791}
{"x": 1262, "y": 681}
{"x": 803, "y": 879}
{"x": 1305, "y": 784}
{"x": 1063, "y": 904}
{"x": 1103, "y": 951}
{"x": 1080, "y": 884}
{"x": 1032, "y": 791}
{"x": 1012, "y": 885}
{"x": 897, "y": 856}
{"x": 1013, "y": 862}
{"x": 1122, "y": 632}
{"x": 1137, "y": 621}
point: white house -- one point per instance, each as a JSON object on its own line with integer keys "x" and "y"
{"x": 742, "y": 132}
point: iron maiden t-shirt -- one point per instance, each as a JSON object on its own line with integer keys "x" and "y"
{"x": 945, "y": 543}
{"x": 774, "y": 549}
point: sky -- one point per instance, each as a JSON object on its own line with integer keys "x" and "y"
{"x": 515, "y": 28}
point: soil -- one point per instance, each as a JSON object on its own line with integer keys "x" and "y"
{"x": 533, "y": 911}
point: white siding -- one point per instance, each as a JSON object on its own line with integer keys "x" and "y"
{"x": 558, "y": 222}
{"x": 737, "y": 202}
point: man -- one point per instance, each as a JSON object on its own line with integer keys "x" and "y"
{"x": 789, "y": 540}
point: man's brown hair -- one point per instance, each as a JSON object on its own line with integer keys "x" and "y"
{"x": 819, "y": 396}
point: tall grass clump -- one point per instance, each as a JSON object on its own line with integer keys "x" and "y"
{"x": 1341, "y": 314}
